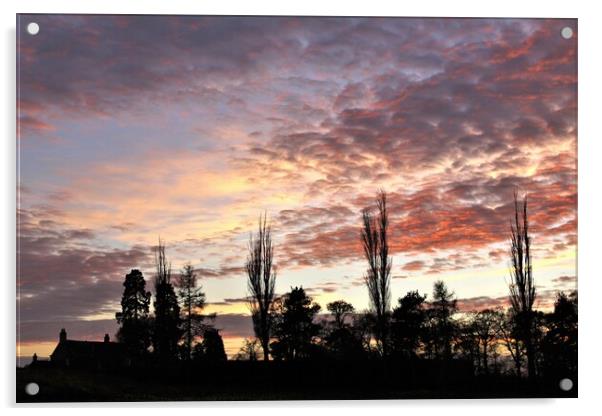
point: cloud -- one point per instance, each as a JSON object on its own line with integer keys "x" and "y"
{"x": 324, "y": 248}
{"x": 565, "y": 282}
{"x": 31, "y": 123}
{"x": 472, "y": 215}
{"x": 432, "y": 123}
{"x": 234, "y": 325}
{"x": 191, "y": 128}
{"x": 443, "y": 135}
{"x": 223, "y": 272}
{"x": 327, "y": 287}
{"x": 63, "y": 276}
{"x": 479, "y": 303}
{"x": 413, "y": 265}
{"x": 48, "y": 330}
{"x": 544, "y": 301}
{"x": 565, "y": 279}
{"x": 231, "y": 301}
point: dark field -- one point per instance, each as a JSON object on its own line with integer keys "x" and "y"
{"x": 276, "y": 381}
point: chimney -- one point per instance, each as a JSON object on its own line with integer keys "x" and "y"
{"x": 107, "y": 338}
{"x": 63, "y": 335}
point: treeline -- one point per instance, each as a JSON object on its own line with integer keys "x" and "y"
{"x": 286, "y": 327}
{"x": 519, "y": 340}
{"x": 177, "y": 330}
{"x": 420, "y": 329}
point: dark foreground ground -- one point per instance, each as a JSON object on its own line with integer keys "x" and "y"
{"x": 252, "y": 381}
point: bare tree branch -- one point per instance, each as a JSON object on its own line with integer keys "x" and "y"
{"x": 261, "y": 282}
{"x": 378, "y": 276}
{"x": 522, "y": 284}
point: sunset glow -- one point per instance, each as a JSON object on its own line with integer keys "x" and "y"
{"x": 189, "y": 130}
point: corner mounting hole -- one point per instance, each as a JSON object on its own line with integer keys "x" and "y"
{"x": 566, "y": 32}
{"x": 33, "y": 28}
{"x": 32, "y": 389}
{"x": 566, "y": 384}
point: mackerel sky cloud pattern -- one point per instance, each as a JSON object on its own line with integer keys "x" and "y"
{"x": 135, "y": 127}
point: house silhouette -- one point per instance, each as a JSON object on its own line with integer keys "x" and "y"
{"x": 89, "y": 354}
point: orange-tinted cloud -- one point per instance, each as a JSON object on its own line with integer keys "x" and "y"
{"x": 191, "y": 128}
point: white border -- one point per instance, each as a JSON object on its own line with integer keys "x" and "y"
{"x": 590, "y": 175}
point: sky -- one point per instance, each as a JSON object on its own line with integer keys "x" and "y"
{"x": 188, "y": 128}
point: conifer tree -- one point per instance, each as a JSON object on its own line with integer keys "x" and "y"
{"x": 133, "y": 319}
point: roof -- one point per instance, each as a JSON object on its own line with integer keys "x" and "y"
{"x": 89, "y": 349}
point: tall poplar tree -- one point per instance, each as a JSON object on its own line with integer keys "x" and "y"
{"x": 166, "y": 332}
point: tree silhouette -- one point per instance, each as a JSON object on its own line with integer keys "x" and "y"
{"x": 522, "y": 284}
{"x": 344, "y": 344}
{"x": 261, "y": 282}
{"x": 134, "y": 329}
{"x": 484, "y": 325}
{"x": 419, "y": 346}
{"x": 442, "y": 309}
{"x": 249, "y": 350}
{"x": 467, "y": 343}
{"x": 340, "y": 339}
{"x": 407, "y": 324}
{"x": 507, "y": 332}
{"x": 213, "y": 345}
{"x": 363, "y": 330}
{"x": 559, "y": 344}
{"x": 295, "y": 329}
{"x": 340, "y": 310}
{"x": 167, "y": 311}
{"x": 192, "y": 301}
{"x": 378, "y": 276}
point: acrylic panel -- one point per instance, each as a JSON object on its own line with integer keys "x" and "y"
{"x": 276, "y": 208}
